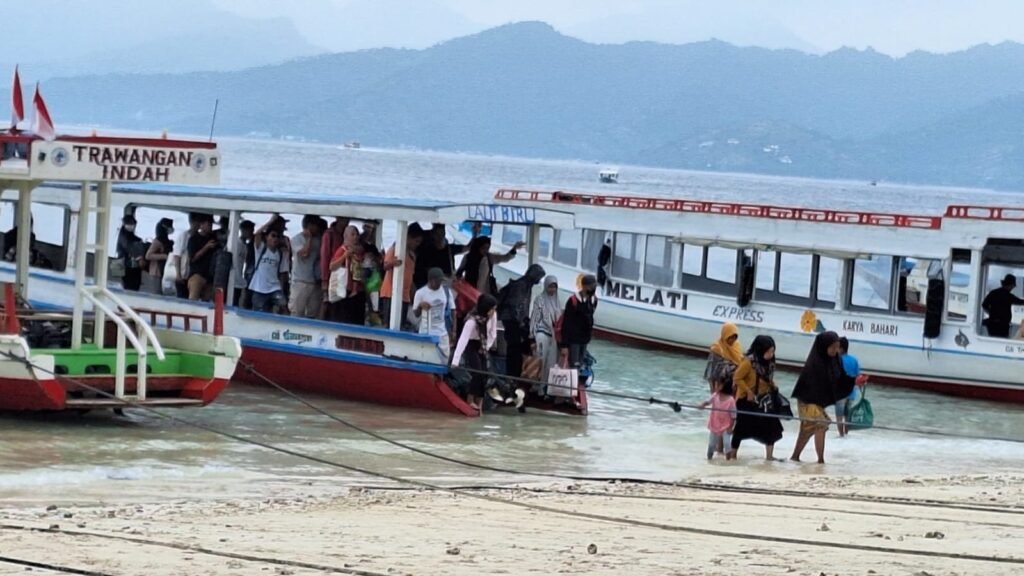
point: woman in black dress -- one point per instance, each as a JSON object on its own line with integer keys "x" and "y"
{"x": 753, "y": 380}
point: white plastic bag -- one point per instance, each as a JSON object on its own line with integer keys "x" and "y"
{"x": 563, "y": 382}
{"x": 170, "y": 277}
{"x": 337, "y": 287}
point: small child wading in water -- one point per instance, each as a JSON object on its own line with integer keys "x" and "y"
{"x": 721, "y": 420}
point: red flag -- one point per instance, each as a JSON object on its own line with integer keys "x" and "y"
{"x": 43, "y": 125}
{"x": 17, "y": 103}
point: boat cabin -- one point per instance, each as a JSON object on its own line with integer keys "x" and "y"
{"x": 95, "y": 351}
{"x": 894, "y": 280}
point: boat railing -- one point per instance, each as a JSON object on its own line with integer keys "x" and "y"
{"x": 725, "y": 208}
{"x": 140, "y": 341}
{"x": 966, "y": 212}
{"x": 168, "y": 317}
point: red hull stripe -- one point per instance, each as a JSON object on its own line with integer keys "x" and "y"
{"x": 378, "y": 383}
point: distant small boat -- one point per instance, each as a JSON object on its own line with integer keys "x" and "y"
{"x": 608, "y": 175}
{"x": 353, "y": 145}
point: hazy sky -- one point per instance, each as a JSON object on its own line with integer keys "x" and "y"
{"x": 890, "y": 26}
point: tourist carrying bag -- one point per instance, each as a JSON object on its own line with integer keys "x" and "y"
{"x": 337, "y": 287}
{"x": 562, "y": 382}
{"x": 861, "y": 416}
{"x": 532, "y": 366}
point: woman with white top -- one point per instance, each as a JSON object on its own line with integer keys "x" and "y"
{"x": 479, "y": 334}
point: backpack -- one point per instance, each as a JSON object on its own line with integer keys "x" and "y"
{"x": 560, "y": 321}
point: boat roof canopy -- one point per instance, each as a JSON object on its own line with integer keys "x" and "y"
{"x": 835, "y": 232}
{"x": 217, "y": 199}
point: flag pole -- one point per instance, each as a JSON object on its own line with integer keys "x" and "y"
{"x": 213, "y": 121}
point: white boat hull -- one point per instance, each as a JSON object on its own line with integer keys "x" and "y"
{"x": 890, "y": 348}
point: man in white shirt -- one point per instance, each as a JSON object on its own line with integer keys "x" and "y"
{"x": 271, "y": 260}
{"x": 306, "y": 294}
{"x": 434, "y": 305}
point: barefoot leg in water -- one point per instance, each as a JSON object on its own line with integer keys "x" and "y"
{"x": 819, "y": 444}
{"x": 801, "y": 441}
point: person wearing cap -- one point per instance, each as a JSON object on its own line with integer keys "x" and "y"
{"x": 999, "y": 305}
{"x": 131, "y": 252}
{"x": 434, "y": 305}
{"x": 578, "y": 323}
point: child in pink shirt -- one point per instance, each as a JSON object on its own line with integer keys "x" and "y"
{"x": 721, "y": 420}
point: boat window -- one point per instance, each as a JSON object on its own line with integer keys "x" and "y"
{"x": 566, "y": 246}
{"x": 50, "y": 226}
{"x": 795, "y": 274}
{"x": 828, "y": 281}
{"x": 721, "y": 265}
{"x": 959, "y": 285}
{"x": 994, "y": 274}
{"x": 872, "y": 283}
{"x": 912, "y": 291}
{"x": 592, "y": 242}
{"x": 658, "y": 270}
{"x": 766, "y": 270}
{"x": 693, "y": 261}
{"x": 546, "y": 241}
{"x": 626, "y": 256}
{"x": 512, "y": 234}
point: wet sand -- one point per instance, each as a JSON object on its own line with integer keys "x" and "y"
{"x": 318, "y": 526}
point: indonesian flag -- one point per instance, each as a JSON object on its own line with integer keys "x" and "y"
{"x": 17, "y": 103}
{"x": 43, "y": 125}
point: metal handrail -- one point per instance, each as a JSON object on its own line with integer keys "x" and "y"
{"x": 127, "y": 311}
{"x": 128, "y": 333}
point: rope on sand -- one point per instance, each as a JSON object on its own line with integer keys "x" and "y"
{"x": 30, "y": 565}
{"x": 193, "y": 549}
{"x": 535, "y": 507}
{"x": 690, "y": 485}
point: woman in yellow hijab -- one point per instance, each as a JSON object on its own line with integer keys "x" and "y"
{"x": 726, "y": 355}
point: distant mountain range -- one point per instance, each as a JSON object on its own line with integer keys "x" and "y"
{"x": 153, "y": 37}
{"x": 524, "y": 89}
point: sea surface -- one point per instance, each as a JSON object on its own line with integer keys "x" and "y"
{"x": 142, "y": 454}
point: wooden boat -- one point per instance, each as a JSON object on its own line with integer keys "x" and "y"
{"x": 369, "y": 364}
{"x": 905, "y": 289}
{"x": 89, "y": 348}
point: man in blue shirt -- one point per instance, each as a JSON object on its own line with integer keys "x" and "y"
{"x": 852, "y": 368}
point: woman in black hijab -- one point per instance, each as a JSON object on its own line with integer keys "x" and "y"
{"x": 822, "y": 382}
{"x": 753, "y": 379}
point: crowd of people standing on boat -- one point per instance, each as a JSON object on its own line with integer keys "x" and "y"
{"x": 746, "y": 403}
{"x": 282, "y": 273}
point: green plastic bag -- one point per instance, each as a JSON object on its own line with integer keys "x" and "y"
{"x": 861, "y": 416}
{"x": 373, "y": 283}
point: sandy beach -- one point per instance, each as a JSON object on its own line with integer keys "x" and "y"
{"x": 319, "y": 526}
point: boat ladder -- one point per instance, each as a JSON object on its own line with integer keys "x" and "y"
{"x": 108, "y": 305}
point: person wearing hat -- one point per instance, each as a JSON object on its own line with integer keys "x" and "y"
{"x": 131, "y": 252}
{"x": 578, "y": 323}
{"x": 434, "y": 305}
{"x": 999, "y": 306}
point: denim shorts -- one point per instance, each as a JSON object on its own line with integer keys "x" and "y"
{"x": 267, "y": 302}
